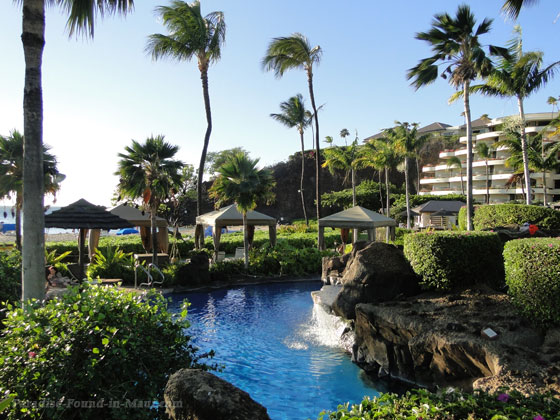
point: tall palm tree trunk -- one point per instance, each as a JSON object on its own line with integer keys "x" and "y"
{"x": 245, "y": 240}
{"x": 33, "y": 39}
{"x": 381, "y": 192}
{"x": 524, "y": 150}
{"x": 388, "y": 194}
{"x": 354, "y": 201}
{"x": 204, "y": 78}
{"x": 462, "y": 182}
{"x": 487, "y": 185}
{"x": 18, "y": 220}
{"x": 469, "y": 156}
{"x": 406, "y": 191}
{"x": 317, "y": 146}
{"x": 153, "y": 211}
{"x": 417, "y": 176}
{"x": 302, "y": 178}
{"x": 545, "y": 202}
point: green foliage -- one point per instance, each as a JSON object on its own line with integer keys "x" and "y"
{"x": 95, "y": 344}
{"x": 367, "y": 195}
{"x": 282, "y": 260}
{"x": 112, "y": 263}
{"x": 10, "y": 276}
{"x": 399, "y": 205}
{"x": 400, "y": 233}
{"x": 450, "y": 404}
{"x": 495, "y": 215}
{"x": 446, "y": 260}
{"x": 462, "y": 218}
{"x": 533, "y": 276}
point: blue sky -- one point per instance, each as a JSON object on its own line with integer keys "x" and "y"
{"x": 99, "y": 94}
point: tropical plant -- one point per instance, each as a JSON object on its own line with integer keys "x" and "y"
{"x": 294, "y": 115}
{"x": 81, "y": 18}
{"x": 484, "y": 152}
{"x": 216, "y": 159}
{"x": 552, "y": 101}
{"x": 543, "y": 157}
{"x": 455, "y": 162}
{"x": 240, "y": 181}
{"x": 512, "y": 8}
{"x": 513, "y": 142}
{"x": 344, "y": 158}
{"x": 329, "y": 140}
{"x": 191, "y": 35}
{"x": 344, "y": 133}
{"x": 295, "y": 52}
{"x": 111, "y": 263}
{"x": 11, "y": 174}
{"x": 407, "y": 142}
{"x": 367, "y": 158}
{"x": 517, "y": 75}
{"x": 455, "y": 43}
{"x": 148, "y": 171}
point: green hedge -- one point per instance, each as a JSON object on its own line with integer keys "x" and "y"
{"x": 422, "y": 404}
{"x": 533, "y": 277}
{"x": 495, "y": 215}
{"x": 454, "y": 259}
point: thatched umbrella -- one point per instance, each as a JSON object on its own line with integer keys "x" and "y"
{"x": 83, "y": 215}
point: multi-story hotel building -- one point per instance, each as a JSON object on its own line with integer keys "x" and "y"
{"x": 442, "y": 179}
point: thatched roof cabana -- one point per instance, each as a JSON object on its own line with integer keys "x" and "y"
{"x": 83, "y": 215}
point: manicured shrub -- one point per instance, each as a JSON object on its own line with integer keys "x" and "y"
{"x": 450, "y": 404}
{"x": 98, "y": 345}
{"x": 495, "y": 215}
{"x": 533, "y": 276}
{"x": 446, "y": 260}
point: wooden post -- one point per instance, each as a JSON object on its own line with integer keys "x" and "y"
{"x": 81, "y": 253}
{"x": 321, "y": 238}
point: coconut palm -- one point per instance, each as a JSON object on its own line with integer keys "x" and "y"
{"x": 11, "y": 174}
{"x": 329, "y": 140}
{"x": 149, "y": 171}
{"x": 407, "y": 142}
{"x": 544, "y": 157}
{"x": 455, "y": 162}
{"x": 485, "y": 153}
{"x": 81, "y": 18}
{"x": 294, "y": 115}
{"x": 553, "y": 102}
{"x": 344, "y": 133}
{"x": 455, "y": 44}
{"x": 295, "y": 52}
{"x": 512, "y": 141}
{"x": 512, "y": 8}
{"x": 517, "y": 75}
{"x": 343, "y": 158}
{"x": 387, "y": 157}
{"x": 240, "y": 181}
{"x": 191, "y": 35}
{"x": 367, "y": 158}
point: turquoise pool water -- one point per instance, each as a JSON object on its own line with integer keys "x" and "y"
{"x": 272, "y": 345}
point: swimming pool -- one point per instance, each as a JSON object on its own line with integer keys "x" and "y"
{"x": 268, "y": 338}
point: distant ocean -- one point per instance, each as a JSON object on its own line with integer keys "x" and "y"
{"x": 7, "y": 217}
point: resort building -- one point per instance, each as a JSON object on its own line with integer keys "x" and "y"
{"x": 448, "y": 178}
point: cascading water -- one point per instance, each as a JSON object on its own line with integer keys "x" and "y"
{"x": 325, "y": 328}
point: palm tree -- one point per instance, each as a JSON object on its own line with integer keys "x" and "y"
{"x": 367, "y": 158}
{"x": 553, "y": 102}
{"x": 544, "y": 160}
{"x": 406, "y": 140}
{"x": 329, "y": 140}
{"x": 455, "y": 162}
{"x": 455, "y": 43}
{"x": 485, "y": 153}
{"x": 387, "y": 157}
{"x": 82, "y": 15}
{"x": 518, "y": 75}
{"x": 11, "y": 173}
{"x": 295, "y": 52}
{"x": 344, "y": 158}
{"x": 512, "y": 8}
{"x": 148, "y": 171}
{"x": 344, "y": 133}
{"x": 240, "y": 181}
{"x": 294, "y": 115}
{"x": 512, "y": 141}
{"x": 191, "y": 35}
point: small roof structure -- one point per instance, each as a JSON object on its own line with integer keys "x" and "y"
{"x": 230, "y": 216}
{"x": 433, "y": 206}
{"x": 357, "y": 217}
{"x": 84, "y": 215}
{"x": 135, "y": 216}
{"x": 443, "y": 212}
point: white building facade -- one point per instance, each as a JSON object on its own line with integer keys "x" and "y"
{"x": 441, "y": 179}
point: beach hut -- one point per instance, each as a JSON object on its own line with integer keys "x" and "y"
{"x": 83, "y": 215}
{"x": 231, "y": 216}
{"x": 356, "y": 217}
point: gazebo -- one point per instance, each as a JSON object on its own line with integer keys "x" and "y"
{"x": 231, "y": 216}
{"x": 136, "y": 218}
{"x": 356, "y": 217}
{"x": 83, "y": 215}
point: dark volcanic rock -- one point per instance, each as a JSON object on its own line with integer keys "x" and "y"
{"x": 194, "y": 394}
{"x": 376, "y": 272}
